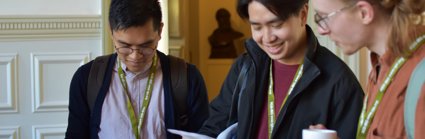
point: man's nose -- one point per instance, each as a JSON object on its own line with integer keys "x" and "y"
{"x": 268, "y": 36}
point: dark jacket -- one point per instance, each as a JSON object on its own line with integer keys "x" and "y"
{"x": 328, "y": 93}
{"x": 82, "y": 124}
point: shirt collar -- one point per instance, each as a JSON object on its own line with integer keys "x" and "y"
{"x": 386, "y": 60}
{"x": 380, "y": 62}
{"x": 129, "y": 73}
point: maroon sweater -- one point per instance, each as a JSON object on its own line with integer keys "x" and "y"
{"x": 282, "y": 79}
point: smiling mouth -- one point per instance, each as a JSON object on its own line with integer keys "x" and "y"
{"x": 274, "y": 45}
{"x": 134, "y": 62}
{"x": 274, "y": 49}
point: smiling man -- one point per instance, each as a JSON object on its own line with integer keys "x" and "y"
{"x": 137, "y": 98}
{"x": 286, "y": 81}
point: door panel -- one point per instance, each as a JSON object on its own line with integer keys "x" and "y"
{"x": 38, "y": 57}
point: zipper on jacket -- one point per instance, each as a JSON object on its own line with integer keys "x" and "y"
{"x": 288, "y": 102}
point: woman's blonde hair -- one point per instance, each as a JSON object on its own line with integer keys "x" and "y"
{"x": 401, "y": 13}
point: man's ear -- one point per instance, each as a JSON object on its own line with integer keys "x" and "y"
{"x": 303, "y": 14}
{"x": 111, "y": 32}
{"x": 366, "y": 12}
{"x": 160, "y": 29}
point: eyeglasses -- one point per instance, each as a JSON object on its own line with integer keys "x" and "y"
{"x": 126, "y": 51}
{"x": 322, "y": 21}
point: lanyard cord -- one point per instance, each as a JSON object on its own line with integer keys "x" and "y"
{"x": 366, "y": 117}
{"x": 271, "y": 100}
{"x": 136, "y": 124}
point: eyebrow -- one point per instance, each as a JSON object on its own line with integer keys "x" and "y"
{"x": 141, "y": 45}
{"x": 268, "y": 22}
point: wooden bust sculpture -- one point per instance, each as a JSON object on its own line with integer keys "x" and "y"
{"x": 221, "y": 40}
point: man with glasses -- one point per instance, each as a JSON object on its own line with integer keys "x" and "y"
{"x": 136, "y": 99}
{"x": 286, "y": 81}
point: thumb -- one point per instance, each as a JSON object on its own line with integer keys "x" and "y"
{"x": 317, "y": 126}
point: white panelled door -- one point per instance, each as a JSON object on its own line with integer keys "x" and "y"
{"x": 38, "y": 57}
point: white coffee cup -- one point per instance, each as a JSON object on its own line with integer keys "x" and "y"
{"x": 319, "y": 134}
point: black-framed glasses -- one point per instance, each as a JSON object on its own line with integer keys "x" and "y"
{"x": 144, "y": 51}
{"x": 322, "y": 21}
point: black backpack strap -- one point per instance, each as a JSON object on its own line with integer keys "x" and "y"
{"x": 179, "y": 86}
{"x": 95, "y": 80}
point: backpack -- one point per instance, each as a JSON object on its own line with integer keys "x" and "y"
{"x": 179, "y": 86}
{"x": 413, "y": 91}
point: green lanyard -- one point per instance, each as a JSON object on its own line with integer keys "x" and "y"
{"x": 270, "y": 92}
{"x": 136, "y": 124}
{"x": 367, "y": 117}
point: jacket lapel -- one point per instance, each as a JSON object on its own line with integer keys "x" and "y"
{"x": 310, "y": 73}
{"x": 255, "y": 94}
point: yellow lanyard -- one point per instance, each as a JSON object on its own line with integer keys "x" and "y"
{"x": 270, "y": 92}
{"x": 136, "y": 124}
{"x": 366, "y": 117}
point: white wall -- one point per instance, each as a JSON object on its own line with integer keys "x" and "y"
{"x": 50, "y": 7}
{"x": 163, "y": 43}
{"x": 42, "y": 43}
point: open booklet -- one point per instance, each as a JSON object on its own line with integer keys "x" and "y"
{"x": 229, "y": 133}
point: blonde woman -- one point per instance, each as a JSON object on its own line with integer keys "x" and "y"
{"x": 397, "y": 45}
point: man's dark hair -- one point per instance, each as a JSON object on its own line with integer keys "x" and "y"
{"x": 281, "y": 8}
{"x": 124, "y": 14}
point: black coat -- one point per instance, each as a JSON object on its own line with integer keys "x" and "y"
{"x": 83, "y": 124}
{"x": 328, "y": 93}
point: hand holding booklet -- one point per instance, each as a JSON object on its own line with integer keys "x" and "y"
{"x": 188, "y": 135}
{"x": 229, "y": 133}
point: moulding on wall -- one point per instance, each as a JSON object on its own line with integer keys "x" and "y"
{"x": 10, "y": 132}
{"x": 48, "y": 131}
{"x": 49, "y": 26}
{"x": 41, "y": 63}
{"x": 8, "y": 61}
